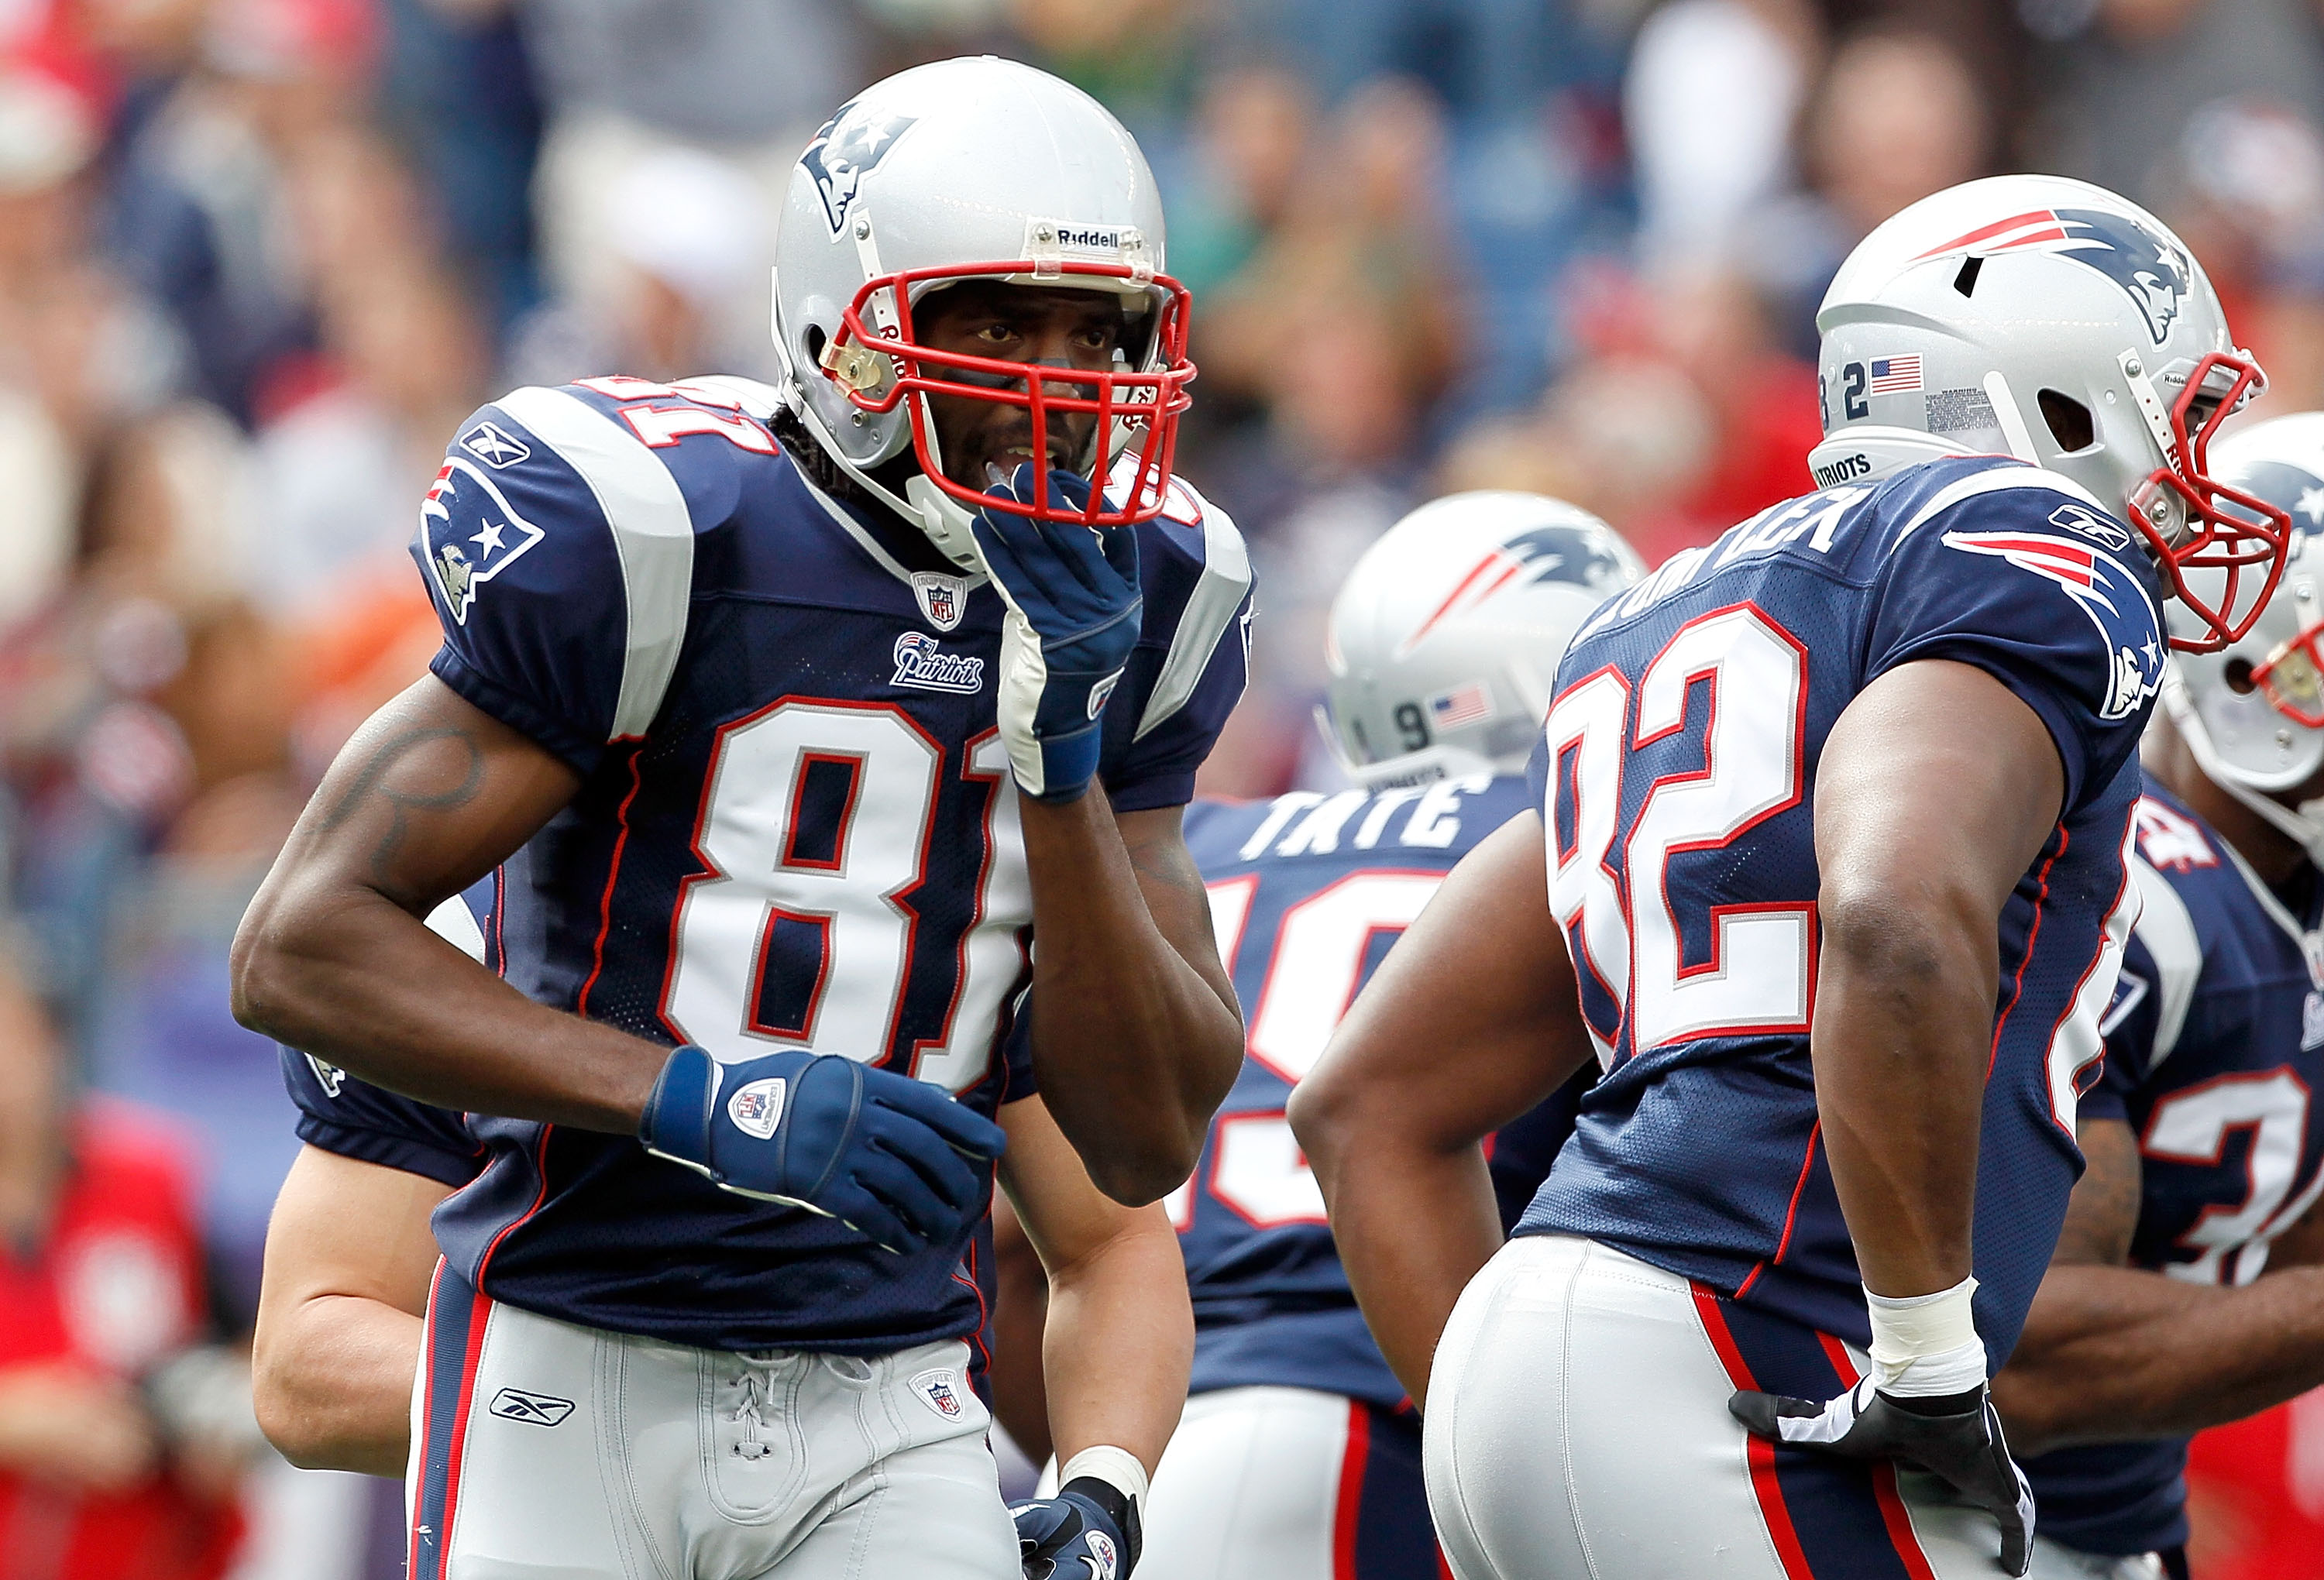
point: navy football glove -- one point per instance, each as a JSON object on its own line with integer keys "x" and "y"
{"x": 891, "y": 1157}
{"x": 1074, "y": 615}
{"x": 1088, "y": 1531}
{"x": 1955, "y": 1436}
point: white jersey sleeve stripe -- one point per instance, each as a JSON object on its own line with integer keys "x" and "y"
{"x": 654, "y": 536}
{"x": 2167, "y": 931}
{"x": 1997, "y": 480}
{"x": 1210, "y": 609}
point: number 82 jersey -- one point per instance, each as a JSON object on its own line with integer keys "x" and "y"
{"x": 1677, "y": 774}
{"x": 796, "y": 826}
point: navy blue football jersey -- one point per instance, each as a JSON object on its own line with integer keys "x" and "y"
{"x": 2214, "y": 1043}
{"x": 1678, "y": 775}
{"x": 1307, "y": 894}
{"x": 796, "y": 826}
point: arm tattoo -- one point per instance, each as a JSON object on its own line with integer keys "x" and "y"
{"x": 372, "y": 783}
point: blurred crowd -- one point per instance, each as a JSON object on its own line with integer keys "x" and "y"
{"x": 259, "y": 257}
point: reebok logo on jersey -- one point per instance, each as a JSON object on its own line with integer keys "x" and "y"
{"x": 938, "y": 1392}
{"x": 535, "y": 1409}
{"x": 490, "y": 443}
{"x": 470, "y": 534}
{"x": 943, "y": 599}
{"x": 757, "y": 1109}
{"x": 2104, "y": 591}
{"x": 922, "y": 663}
{"x": 2089, "y": 524}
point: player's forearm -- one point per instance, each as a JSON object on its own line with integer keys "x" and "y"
{"x": 1133, "y": 1047}
{"x": 1414, "y": 1224}
{"x": 341, "y": 971}
{"x": 332, "y": 1384}
{"x": 2111, "y": 1353}
{"x": 1902, "y": 1031}
{"x": 1120, "y": 1344}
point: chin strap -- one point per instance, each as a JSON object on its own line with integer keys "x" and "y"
{"x": 2303, "y": 829}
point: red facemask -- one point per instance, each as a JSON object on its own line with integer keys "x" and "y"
{"x": 880, "y": 367}
{"x": 2247, "y": 543}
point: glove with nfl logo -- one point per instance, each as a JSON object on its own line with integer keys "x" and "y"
{"x": 1920, "y": 1345}
{"x": 892, "y": 1158}
{"x": 1074, "y": 615}
{"x": 1088, "y": 1531}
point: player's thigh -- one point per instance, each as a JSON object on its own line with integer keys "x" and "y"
{"x": 506, "y": 1479}
{"x": 1250, "y": 1486}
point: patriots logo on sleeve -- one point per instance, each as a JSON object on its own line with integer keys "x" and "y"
{"x": 460, "y": 559}
{"x": 2102, "y": 590}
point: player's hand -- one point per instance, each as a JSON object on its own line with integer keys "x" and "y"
{"x": 1956, "y": 1438}
{"x": 1074, "y": 615}
{"x": 891, "y": 1157}
{"x": 1088, "y": 1531}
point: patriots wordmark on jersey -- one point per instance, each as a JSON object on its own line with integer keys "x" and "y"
{"x": 1308, "y": 892}
{"x": 1677, "y": 779}
{"x": 2213, "y": 1051}
{"x": 797, "y": 826}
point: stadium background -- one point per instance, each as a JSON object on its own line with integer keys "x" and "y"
{"x": 258, "y": 257}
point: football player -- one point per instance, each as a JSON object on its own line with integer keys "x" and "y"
{"x": 2206, "y": 1154}
{"x": 783, "y": 718}
{"x": 1299, "y": 1453}
{"x": 1832, "y": 819}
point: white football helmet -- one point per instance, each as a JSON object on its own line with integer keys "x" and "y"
{"x": 2053, "y": 321}
{"x": 2253, "y": 712}
{"x": 974, "y": 168}
{"x": 1444, "y": 641}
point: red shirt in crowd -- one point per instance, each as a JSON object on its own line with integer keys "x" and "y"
{"x": 115, "y": 1286}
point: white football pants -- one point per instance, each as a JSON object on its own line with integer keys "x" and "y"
{"x": 1577, "y": 1429}
{"x": 2054, "y": 1562}
{"x": 1287, "y": 1484}
{"x": 546, "y": 1451}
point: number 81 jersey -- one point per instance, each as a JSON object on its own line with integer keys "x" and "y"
{"x": 1677, "y": 774}
{"x": 796, "y": 826}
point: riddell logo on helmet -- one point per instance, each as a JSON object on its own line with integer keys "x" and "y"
{"x": 2152, "y": 272}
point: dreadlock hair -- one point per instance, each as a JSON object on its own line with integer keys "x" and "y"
{"x": 816, "y": 463}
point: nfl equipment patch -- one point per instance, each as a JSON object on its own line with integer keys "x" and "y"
{"x": 940, "y": 1392}
{"x": 943, "y": 599}
{"x": 757, "y": 1109}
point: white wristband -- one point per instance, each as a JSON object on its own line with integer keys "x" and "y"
{"x": 1116, "y": 1467}
{"x": 1926, "y": 1344}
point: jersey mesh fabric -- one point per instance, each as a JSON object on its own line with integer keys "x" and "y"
{"x": 541, "y": 546}
{"x": 1701, "y": 1154}
{"x": 2233, "y": 973}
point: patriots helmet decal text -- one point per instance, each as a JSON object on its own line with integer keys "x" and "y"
{"x": 849, "y": 145}
{"x": 2104, "y": 590}
{"x": 2150, "y": 268}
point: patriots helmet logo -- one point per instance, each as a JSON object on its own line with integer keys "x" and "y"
{"x": 2104, "y": 591}
{"x": 2150, "y": 268}
{"x": 844, "y": 152}
{"x": 1566, "y": 553}
{"x": 469, "y": 534}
